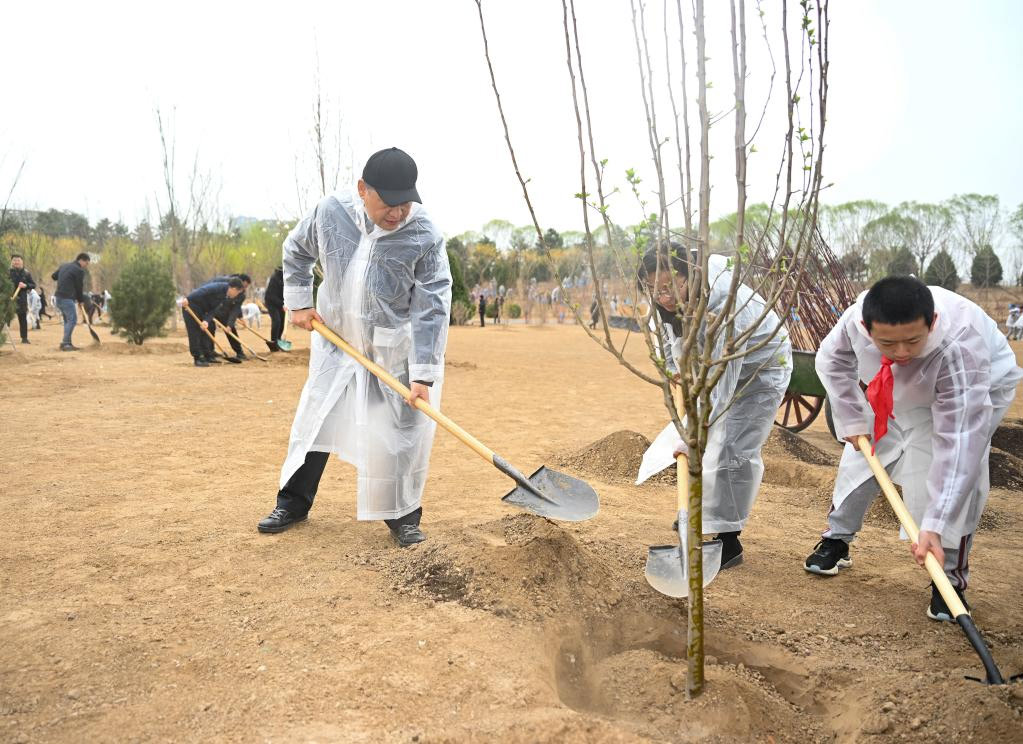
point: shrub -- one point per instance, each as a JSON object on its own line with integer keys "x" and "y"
{"x": 461, "y": 312}
{"x": 142, "y": 299}
{"x": 7, "y": 305}
{"x": 986, "y": 270}
{"x": 458, "y": 291}
{"x": 942, "y": 272}
{"x": 514, "y": 311}
{"x": 491, "y": 311}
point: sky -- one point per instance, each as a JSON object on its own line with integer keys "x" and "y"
{"x": 923, "y": 102}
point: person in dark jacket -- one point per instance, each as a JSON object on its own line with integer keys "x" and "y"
{"x": 204, "y": 301}
{"x": 70, "y": 279}
{"x": 228, "y": 312}
{"x": 42, "y": 302}
{"x": 274, "y": 301}
{"x": 23, "y": 283}
{"x": 483, "y": 308}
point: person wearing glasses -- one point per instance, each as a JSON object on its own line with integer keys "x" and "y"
{"x": 743, "y": 403}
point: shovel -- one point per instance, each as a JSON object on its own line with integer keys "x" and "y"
{"x": 667, "y": 565}
{"x": 546, "y": 493}
{"x": 95, "y": 336}
{"x": 955, "y": 606}
{"x": 212, "y": 337}
{"x": 15, "y": 295}
{"x": 227, "y": 331}
{"x": 282, "y": 344}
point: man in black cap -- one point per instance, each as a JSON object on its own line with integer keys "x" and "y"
{"x": 387, "y": 291}
{"x": 23, "y": 284}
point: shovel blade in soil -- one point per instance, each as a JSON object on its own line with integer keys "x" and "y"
{"x": 666, "y": 568}
{"x": 283, "y": 345}
{"x": 567, "y": 499}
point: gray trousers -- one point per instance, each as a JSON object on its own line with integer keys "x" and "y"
{"x": 846, "y": 520}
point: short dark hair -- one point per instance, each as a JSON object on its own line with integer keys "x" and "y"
{"x": 235, "y": 282}
{"x": 83, "y": 257}
{"x": 660, "y": 258}
{"x": 17, "y": 255}
{"x": 896, "y": 300}
{"x": 244, "y": 277}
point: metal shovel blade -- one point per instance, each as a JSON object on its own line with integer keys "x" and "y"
{"x": 666, "y": 568}
{"x": 562, "y": 496}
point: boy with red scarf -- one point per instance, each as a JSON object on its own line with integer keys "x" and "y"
{"x": 941, "y": 378}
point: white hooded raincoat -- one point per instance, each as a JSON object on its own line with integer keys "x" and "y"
{"x": 947, "y": 404}
{"x": 388, "y": 293}
{"x": 733, "y": 467}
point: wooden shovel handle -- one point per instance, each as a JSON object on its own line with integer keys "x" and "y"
{"x": 934, "y": 568}
{"x": 15, "y": 295}
{"x": 206, "y": 330}
{"x": 253, "y": 330}
{"x": 392, "y": 382}
{"x": 227, "y": 331}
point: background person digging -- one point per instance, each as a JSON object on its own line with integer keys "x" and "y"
{"x": 387, "y": 291}
{"x": 23, "y": 284}
{"x": 204, "y": 301}
{"x": 70, "y": 278}
{"x": 942, "y": 377}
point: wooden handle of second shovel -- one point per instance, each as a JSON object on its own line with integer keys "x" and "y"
{"x": 392, "y": 382}
{"x": 227, "y": 331}
{"x": 935, "y": 569}
{"x": 15, "y": 295}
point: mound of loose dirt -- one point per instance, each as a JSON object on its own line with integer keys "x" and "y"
{"x": 783, "y": 443}
{"x": 1009, "y": 437}
{"x": 516, "y": 566}
{"x": 1006, "y": 470}
{"x": 616, "y": 457}
{"x": 294, "y": 358}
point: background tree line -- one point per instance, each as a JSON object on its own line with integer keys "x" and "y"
{"x": 966, "y": 238}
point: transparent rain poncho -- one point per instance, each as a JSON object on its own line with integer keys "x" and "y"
{"x": 732, "y": 465}
{"x": 388, "y": 293}
{"x": 948, "y": 403}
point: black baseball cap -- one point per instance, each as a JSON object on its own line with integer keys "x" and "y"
{"x": 392, "y": 174}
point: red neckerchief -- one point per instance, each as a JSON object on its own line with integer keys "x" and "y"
{"x": 879, "y": 395}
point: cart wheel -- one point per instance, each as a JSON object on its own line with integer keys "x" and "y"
{"x": 831, "y": 421}
{"x": 798, "y": 411}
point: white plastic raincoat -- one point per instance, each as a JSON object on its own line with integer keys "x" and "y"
{"x": 388, "y": 293}
{"x": 948, "y": 403}
{"x": 733, "y": 468}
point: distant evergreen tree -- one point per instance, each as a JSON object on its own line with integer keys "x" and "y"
{"x": 942, "y": 272}
{"x": 902, "y": 263}
{"x": 986, "y": 270}
{"x": 142, "y": 298}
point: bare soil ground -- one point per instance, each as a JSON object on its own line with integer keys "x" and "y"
{"x": 138, "y": 602}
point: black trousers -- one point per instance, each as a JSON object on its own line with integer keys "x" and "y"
{"x": 23, "y": 322}
{"x": 276, "y": 321}
{"x": 199, "y": 345}
{"x": 300, "y": 490}
{"x": 481, "y": 319}
{"x": 235, "y": 345}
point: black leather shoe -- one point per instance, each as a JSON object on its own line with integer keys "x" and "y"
{"x": 25, "y": 341}
{"x": 407, "y": 534}
{"x": 213, "y": 359}
{"x": 201, "y": 363}
{"x": 279, "y": 520}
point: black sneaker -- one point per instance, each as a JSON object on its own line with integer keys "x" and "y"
{"x": 25, "y": 341}
{"x": 828, "y": 556}
{"x": 279, "y": 520}
{"x": 69, "y": 347}
{"x": 201, "y": 363}
{"x": 408, "y": 534}
{"x": 239, "y": 358}
{"x": 731, "y": 549}
{"x": 213, "y": 359}
{"x": 938, "y": 608}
